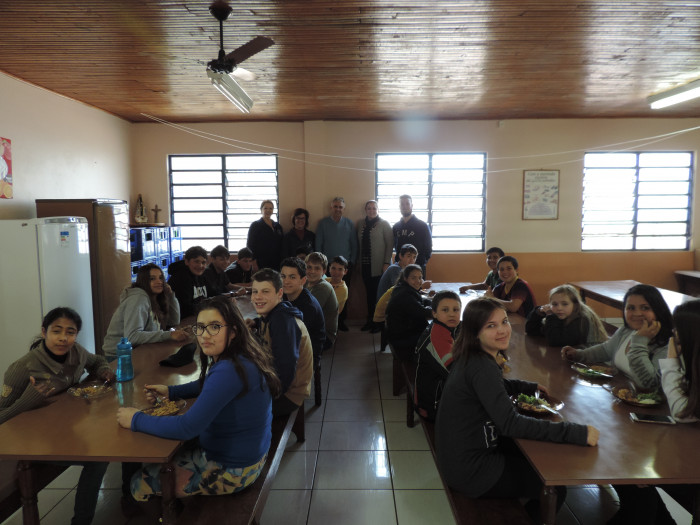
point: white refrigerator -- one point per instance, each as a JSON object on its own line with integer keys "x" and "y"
{"x": 44, "y": 263}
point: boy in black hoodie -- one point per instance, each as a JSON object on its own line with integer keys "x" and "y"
{"x": 188, "y": 284}
{"x": 187, "y": 281}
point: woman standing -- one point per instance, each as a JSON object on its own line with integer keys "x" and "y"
{"x": 231, "y": 416}
{"x": 477, "y": 421}
{"x": 265, "y": 238}
{"x": 146, "y": 310}
{"x": 299, "y": 238}
{"x": 376, "y": 242}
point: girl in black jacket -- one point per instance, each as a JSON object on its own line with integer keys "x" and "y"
{"x": 407, "y": 313}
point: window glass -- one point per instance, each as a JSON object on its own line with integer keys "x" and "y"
{"x": 637, "y": 201}
{"x": 448, "y": 192}
{"x": 214, "y": 198}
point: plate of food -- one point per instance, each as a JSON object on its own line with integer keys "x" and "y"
{"x": 166, "y": 407}
{"x": 638, "y": 399}
{"x": 594, "y": 371}
{"x": 90, "y": 389}
{"x": 537, "y": 405}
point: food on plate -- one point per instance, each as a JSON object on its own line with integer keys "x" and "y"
{"x": 533, "y": 404}
{"x": 650, "y": 398}
{"x": 164, "y": 408}
{"x": 90, "y": 390}
{"x": 594, "y": 370}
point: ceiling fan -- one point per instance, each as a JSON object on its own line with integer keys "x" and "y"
{"x": 222, "y": 69}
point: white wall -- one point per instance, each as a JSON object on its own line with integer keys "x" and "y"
{"x": 512, "y": 146}
{"x": 60, "y": 149}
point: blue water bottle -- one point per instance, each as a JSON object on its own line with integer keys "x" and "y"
{"x": 125, "y": 368}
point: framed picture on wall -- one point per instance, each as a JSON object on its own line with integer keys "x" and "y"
{"x": 540, "y": 194}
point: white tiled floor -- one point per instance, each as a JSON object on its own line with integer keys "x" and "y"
{"x": 360, "y": 463}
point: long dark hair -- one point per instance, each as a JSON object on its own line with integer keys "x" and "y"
{"x": 474, "y": 318}
{"x": 406, "y": 272}
{"x": 159, "y": 304}
{"x": 53, "y": 315}
{"x": 687, "y": 319}
{"x": 243, "y": 344}
{"x": 658, "y": 306}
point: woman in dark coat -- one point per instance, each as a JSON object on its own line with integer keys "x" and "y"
{"x": 299, "y": 238}
{"x": 265, "y": 238}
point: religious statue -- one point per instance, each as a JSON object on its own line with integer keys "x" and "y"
{"x": 140, "y": 213}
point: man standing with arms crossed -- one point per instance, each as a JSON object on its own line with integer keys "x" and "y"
{"x": 336, "y": 235}
{"x": 411, "y": 230}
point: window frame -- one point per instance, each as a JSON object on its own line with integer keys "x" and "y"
{"x": 431, "y": 196}
{"x": 635, "y": 209}
{"x": 225, "y": 183}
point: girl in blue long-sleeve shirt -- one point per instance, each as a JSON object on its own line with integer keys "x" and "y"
{"x": 231, "y": 416}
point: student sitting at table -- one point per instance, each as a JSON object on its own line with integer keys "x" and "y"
{"x": 680, "y": 372}
{"x": 282, "y": 330}
{"x": 566, "y": 320}
{"x": 322, "y": 290}
{"x": 514, "y": 293}
{"x": 407, "y": 313}
{"x": 215, "y": 276}
{"x": 240, "y": 273}
{"x": 434, "y": 352}
{"x": 146, "y": 310}
{"x": 477, "y": 421}
{"x": 492, "y": 279}
{"x": 636, "y": 348}
{"x": 338, "y": 269}
{"x": 54, "y": 363}
{"x": 231, "y": 416}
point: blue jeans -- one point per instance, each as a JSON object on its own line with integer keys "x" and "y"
{"x": 88, "y": 489}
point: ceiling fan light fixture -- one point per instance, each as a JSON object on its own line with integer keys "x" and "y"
{"x": 675, "y": 96}
{"x": 231, "y": 90}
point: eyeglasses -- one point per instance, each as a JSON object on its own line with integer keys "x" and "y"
{"x": 212, "y": 328}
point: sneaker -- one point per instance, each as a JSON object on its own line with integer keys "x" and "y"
{"x": 343, "y": 327}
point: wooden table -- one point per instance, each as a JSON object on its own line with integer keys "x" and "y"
{"x": 688, "y": 282}
{"x": 627, "y": 452}
{"x": 72, "y": 429}
{"x": 612, "y": 293}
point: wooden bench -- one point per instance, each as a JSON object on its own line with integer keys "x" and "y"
{"x": 247, "y": 506}
{"x": 10, "y": 498}
{"x": 465, "y": 510}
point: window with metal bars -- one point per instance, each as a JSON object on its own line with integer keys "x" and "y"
{"x": 637, "y": 201}
{"x": 214, "y": 198}
{"x": 448, "y": 192}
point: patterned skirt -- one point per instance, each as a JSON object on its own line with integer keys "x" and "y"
{"x": 194, "y": 474}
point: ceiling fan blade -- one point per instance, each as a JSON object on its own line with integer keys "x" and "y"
{"x": 243, "y": 74}
{"x": 259, "y": 43}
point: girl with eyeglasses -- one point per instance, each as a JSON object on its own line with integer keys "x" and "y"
{"x": 230, "y": 418}
{"x": 146, "y": 310}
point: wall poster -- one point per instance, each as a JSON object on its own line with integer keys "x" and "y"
{"x": 540, "y": 194}
{"x": 5, "y": 168}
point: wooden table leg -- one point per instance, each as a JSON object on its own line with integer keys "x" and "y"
{"x": 167, "y": 485}
{"x": 30, "y": 508}
{"x": 548, "y": 505}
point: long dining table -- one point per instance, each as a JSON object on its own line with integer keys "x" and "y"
{"x": 627, "y": 452}
{"x": 612, "y": 293}
{"x": 76, "y": 429}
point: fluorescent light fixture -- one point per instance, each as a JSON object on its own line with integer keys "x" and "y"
{"x": 675, "y": 95}
{"x": 229, "y": 88}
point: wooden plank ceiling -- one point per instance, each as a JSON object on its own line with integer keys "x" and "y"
{"x": 361, "y": 59}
